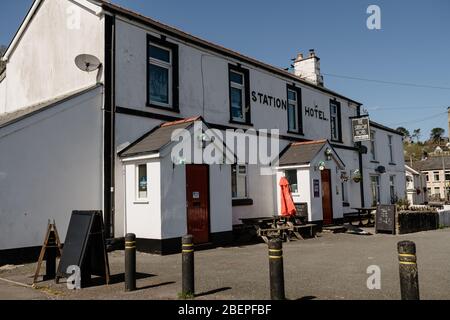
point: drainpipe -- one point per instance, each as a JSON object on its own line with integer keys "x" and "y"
{"x": 359, "y": 145}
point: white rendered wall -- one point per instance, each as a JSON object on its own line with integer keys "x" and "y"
{"x": 143, "y": 218}
{"x": 42, "y": 65}
{"x": 50, "y": 164}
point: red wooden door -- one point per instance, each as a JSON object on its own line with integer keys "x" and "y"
{"x": 327, "y": 202}
{"x": 197, "y": 197}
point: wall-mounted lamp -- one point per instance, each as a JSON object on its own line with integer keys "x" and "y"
{"x": 328, "y": 153}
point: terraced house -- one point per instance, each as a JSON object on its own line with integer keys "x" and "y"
{"x": 100, "y": 138}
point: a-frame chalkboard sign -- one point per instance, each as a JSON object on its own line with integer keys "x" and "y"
{"x": 85, "y": 247}
{"x": 385, "y": 219}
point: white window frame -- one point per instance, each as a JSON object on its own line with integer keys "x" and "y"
{"x": 296, "y": 178}
{"x": 246, "y": 196}
{"x": 373, "y": 146}
{"x": 391, "y": 148}
{"x": 138, "y": 199}
{"x": 334, "y": 122}
{"x": 239, "y": 86}
{"x": 378, "y": 181}
{"x": 169, "y": 67}
{"x": 295, "y": 104}
{"x": 392, "y": 189}
{"x": 436, "y": 173}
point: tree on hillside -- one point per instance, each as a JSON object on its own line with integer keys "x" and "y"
{"x": 416, "y": 135}
{"x": 436, "y": 134}
{"x": 404, "y": 132}
{"x": 2, "y": 64}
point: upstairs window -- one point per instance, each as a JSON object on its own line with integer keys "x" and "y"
{"x": 294, "y": 110}
{"x": 391, "y": 149}
{"x": 239, "y": 95}
{"x": 162, "y": 87}
{"x": 436, "y": 175}
{"x": 373, "y": 146}
{"x": 335, "y": 121}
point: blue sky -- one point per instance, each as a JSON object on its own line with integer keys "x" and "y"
{"x": 412, "y": 46}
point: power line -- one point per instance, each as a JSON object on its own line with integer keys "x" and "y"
{"x": 405, "y": 84}
{"x": 440, "y": 114}
{"x": 386, "y": 108}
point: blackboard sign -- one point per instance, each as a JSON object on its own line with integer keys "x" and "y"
{"x": 361, "y": 129}
{"x": 385, "y": 219}
{"x": 302, "y": 209}
{"x": 85, "y": 247}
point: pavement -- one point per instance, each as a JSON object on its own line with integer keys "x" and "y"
{"x": 332, "y": 266}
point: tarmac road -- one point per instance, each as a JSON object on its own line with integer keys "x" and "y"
{"x": 333, "y": 266}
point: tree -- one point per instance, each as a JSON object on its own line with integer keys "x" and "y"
{"x": 416, "y": 135}
{"x": 436, "y": 134}
{"x": 404, "y": 132}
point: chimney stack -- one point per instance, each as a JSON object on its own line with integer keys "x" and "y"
{"x": 308, "y": 68}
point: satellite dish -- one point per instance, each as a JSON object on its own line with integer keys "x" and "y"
{"x": 87, "y": 62}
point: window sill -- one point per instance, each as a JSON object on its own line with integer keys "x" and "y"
{"x": 374, "y": 161}
{"x": 299, "y": 133}
{"x": 242, "y": 202}
{"x": 346, "y": 204}
{"x": 392, "y": 164}
{"x": 141, "y": 202}
{"x": 172, "y": 109}
{"x": 241, "y": 123}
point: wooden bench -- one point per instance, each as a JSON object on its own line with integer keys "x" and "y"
{"x": 309, "y": 227}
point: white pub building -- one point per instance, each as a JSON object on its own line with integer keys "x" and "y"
{"x": 100, "y": 138}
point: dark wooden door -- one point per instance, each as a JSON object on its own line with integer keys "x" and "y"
{"x": 197, "y": 197}
{"x": 327, "y": 201}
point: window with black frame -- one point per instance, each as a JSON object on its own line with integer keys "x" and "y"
{"x": 239, "y": 86}
{"x": 162, "y": 82}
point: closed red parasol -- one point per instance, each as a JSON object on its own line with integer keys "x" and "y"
{"x": 287, "y": 203}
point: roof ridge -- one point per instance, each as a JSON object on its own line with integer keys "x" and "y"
{"x": 186, "y": 120}
{"x": 309, "y": 142}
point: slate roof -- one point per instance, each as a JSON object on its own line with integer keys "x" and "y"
{"x": 156, "y": 139}
{"x": 301, "y": 152}
{"x": 12, "y": 117}
{"x": 432, "y": 163}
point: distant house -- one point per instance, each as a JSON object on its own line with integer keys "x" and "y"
{"x": 437, "y": 176}
{"x": 416, "y": 186}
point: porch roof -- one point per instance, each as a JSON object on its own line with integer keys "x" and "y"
{"x": 304, "y": 152}
{"x": 156, "y": 139}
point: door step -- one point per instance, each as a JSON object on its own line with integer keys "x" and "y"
{"x": 334, "y": 229}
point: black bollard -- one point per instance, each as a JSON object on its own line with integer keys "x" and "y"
{"x": 130, "y": 262}
{"x": 51, "y": 253}
{"x": 409, "y": 277}
{"x": 188, "y": 281}
{"x": 276, "y": 269}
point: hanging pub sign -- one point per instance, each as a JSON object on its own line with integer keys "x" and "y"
{"x": 361, "y": 129}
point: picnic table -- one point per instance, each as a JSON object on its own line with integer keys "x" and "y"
{"x": 365, "y": 211}
{"x": 277, "y": 227}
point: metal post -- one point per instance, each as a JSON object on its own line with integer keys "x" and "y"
{"x": 409, "y": 278}
{"x": 276, "y": 269}
{"x": 51, "y": 253}
{"x": 188, "y": 281}
{"x": 130, "y": 262}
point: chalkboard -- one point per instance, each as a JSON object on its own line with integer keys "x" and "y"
{"x": 302, "y": 209}
{"x": 85, "y": 246}
{"x": 385, "y": 219}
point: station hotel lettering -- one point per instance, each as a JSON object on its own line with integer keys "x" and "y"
{"x": 101, "y": 140}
